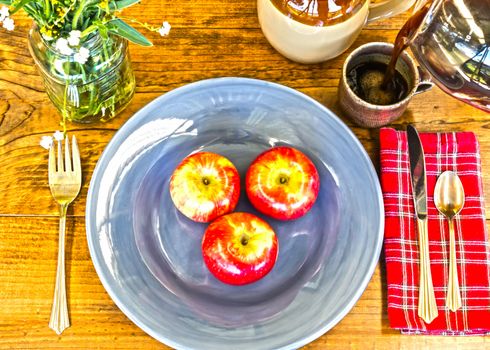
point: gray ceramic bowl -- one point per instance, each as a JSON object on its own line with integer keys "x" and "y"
{"x": 148, "y": 255}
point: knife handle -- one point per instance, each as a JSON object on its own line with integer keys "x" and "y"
{"x": 427, "y": 308}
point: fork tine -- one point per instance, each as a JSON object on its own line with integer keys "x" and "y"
{"x": 77, "y": 168}
{"x": 60, "y": 157}
{"x": 68, "y": 166}
{"x": 52, "y": 161}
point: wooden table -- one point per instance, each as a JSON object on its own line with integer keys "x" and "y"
{"x": 209, "y": 38}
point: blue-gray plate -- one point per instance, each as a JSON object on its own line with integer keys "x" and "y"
{"x": 148, "y": 255}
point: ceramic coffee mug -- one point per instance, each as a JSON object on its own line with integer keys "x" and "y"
{"x": 370, "y": 115}
{"x": 306, "y": 43}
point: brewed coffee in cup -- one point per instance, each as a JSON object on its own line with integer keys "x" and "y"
{"x": 366, "y": 81}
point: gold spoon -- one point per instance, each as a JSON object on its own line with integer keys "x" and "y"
{"x": 449, "y": 200}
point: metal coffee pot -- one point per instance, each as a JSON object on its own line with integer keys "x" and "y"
{"x": 452, "y": 43}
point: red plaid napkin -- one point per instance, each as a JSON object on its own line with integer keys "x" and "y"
{"x": 458, "y": 152}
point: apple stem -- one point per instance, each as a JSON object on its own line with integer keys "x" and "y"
{"x": 283, "y": 180}
{"x": 205, "y": 181}
{"x": 244, "y": 240}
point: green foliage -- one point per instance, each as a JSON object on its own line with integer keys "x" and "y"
{"x": 57, "y": 18}
{"x": 18, "y": 6}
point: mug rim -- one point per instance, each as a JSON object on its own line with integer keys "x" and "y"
{"x": 410, "y": 63}
{"x": 362, "y": 3}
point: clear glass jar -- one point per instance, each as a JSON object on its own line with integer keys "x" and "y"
{"x": 94, "y": 91}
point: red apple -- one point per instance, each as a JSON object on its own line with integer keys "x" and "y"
{"x": 204, "y": 186}
{"x": 239, "y": 248}
{"x": 282, "y": 183}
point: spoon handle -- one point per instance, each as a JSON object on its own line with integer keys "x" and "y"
{"x": 453, "y": 297}
{"x": 427, "y": 308}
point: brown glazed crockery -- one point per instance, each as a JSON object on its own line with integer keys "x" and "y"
{"x": 370, "y": 115}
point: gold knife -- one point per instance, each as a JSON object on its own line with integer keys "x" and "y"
{"x": 427, "y": 307}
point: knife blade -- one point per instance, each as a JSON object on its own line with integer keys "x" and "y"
{"x": 427, "y": 307}
{"x": 417, "y": 172}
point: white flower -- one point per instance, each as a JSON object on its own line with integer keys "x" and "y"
{"x": 8, "y": 23}
{"x": 82, "y": 55}
{"x": 103, "y": 111}
{"x": 46, "y": 142}
{"x": 164, "y": 29}
{"x": 58, "y": 136}
{"x": 58, "y": 65}
{"x": 4, "y": 13}
{"x": 62, "y": 47}
{"x": 74, "y": 38}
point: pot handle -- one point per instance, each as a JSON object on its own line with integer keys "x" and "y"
{"x": 425, "y": 83}
{"x": 388, "y": 8}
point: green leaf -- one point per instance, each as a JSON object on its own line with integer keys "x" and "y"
{"x": 121, "y": 4}
{"x": 6, "y": 2}
{"x": 19, "y": 5}
{"x": 118, "y": 27}
{"x": 103, "y": 31}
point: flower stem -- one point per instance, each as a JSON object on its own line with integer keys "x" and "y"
{"x": 89, "y": 30}
{"x": 47, "y": 8}
{"x": 78, "y": 12}
{"x": 144, "y": 25}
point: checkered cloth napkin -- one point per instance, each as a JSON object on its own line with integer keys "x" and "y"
{"x": 458, "y": 152}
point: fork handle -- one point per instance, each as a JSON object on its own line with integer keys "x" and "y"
{"x": 59, "y": 320}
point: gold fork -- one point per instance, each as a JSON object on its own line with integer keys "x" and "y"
{"x": 65, "y": 179}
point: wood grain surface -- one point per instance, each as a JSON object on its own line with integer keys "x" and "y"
{"x": 209, "y": 38}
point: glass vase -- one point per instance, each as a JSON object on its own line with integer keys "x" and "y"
{"x": 92, "y": 91}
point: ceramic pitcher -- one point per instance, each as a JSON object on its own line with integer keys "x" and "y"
{"x": 311, "y": 31}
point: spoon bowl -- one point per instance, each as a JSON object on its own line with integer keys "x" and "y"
{"x": 449, "y": 194}
{"x": 449, "y": 200}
